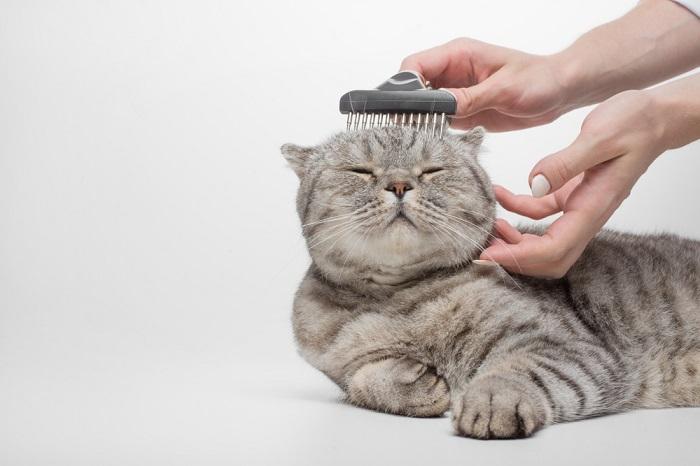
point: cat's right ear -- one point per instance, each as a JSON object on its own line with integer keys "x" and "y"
{"x": 297, "y": 157}
{"x": 473, "y": 139}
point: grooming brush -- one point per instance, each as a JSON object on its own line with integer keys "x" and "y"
{"x": 405, "y": 99}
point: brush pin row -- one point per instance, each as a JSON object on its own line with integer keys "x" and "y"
{"x": 427, "y": 122}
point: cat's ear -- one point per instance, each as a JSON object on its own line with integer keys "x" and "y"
{"x": 473, "y": 139}
{"x": 297, "y": 157}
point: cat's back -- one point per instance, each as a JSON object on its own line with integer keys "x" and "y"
{"x": 641, "y": 288}
{"x": 638, "y": 267}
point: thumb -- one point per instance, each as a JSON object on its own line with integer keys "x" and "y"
{"x": 555, "y": 170}
{"x": 474, "y": 99}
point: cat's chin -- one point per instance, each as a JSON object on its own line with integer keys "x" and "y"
{"x": 399, "y": 244}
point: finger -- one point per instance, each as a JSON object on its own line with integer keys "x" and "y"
{"x": 549, "y": 254}
{"x": 553, "y": 171}
{"x": 495, "y": 121}
{"x": 507, "y": 232}
{"x": 528, "y": 206}
{"x": 552, "y": 254}
{"x": 431, "y": 63}
{"x": 474, "y": 99}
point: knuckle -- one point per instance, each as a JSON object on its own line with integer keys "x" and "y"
{"x": 409, "y": 61}
{"x": 557, "y": 253}
{"x": 460, "y": 42}
{"x": 465, "y": 99}
{"x": 560, "y": 169}
{"x": 507, "y": 92}
{"x": 538, "y": 214}
{"x": 596, "y": 130}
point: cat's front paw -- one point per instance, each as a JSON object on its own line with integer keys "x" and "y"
{"x": 400, "y": 386}
{"x": 496, "y": 408}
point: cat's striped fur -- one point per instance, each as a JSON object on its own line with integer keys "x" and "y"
{"x": 395, "y": 313}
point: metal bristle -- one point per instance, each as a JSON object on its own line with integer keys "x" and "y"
{"x": 425, "y": 122}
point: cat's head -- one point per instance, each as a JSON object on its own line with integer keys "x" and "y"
{"x": 387, "y": 204}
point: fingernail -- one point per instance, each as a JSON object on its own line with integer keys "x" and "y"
{"x": 483, "y": 262}
{"x": 540, "y": 186}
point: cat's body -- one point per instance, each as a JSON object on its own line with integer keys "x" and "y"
{"x": 393, "y": 310}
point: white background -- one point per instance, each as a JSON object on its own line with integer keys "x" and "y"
{"x": 149, "y": 248}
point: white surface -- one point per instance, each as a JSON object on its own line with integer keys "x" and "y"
{"x": 205, "y": 412}
{"x": 692, "y": 5}
{"x": 149, "y": 247}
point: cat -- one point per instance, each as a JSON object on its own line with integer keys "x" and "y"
{"x": 393, "y": 310}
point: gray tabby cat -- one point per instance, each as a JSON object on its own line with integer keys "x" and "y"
{"x": 393, "y": 310}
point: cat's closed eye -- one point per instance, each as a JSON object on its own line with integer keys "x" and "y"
{"x": 362, "y": 171}
{"x": 431, "y": 170}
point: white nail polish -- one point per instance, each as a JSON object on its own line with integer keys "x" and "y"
{"x": 540, "y": 186}
{"x": 483, "y": 262}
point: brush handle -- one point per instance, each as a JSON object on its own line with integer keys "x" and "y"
{"x": 403, "y": 81}
{"x": 405, "y": 92}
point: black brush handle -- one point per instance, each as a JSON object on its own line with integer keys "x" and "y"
{"x": 405, "y": 92}
{"x": 403, "y": 81}
{"x": 375, "y": 101}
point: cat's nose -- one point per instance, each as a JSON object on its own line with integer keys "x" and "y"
{"x": 399, "y": 188}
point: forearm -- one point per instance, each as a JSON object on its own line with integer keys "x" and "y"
{"x": 679, "y": 107}
{"x": 655, "y": 41}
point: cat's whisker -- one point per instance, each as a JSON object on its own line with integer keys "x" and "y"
{"x": 340, "y": 230}
{"x": 502, "y": 279}
{"x": 344, "y": 222}
{"x": 480, "y": 248}
{"x": 446, "y": 234}
{"x": 347, "y": 232}
{"x": 331, "y": 229}
{"x": 357, "y": 211}
{"x": 438, "y": 211}
{"x": 328, "y": 220}
{"x": 467, "y": 222}
{"x": 439, "y": 237}
{"x": 364, "y": 241}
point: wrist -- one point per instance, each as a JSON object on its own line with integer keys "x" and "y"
{"x": 585, "y": 76}
{"x": 663, "y": 106}
{"x": 677, "y": 104}
{"x": 570, "y": 74}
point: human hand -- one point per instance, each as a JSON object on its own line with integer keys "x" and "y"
{"x": 586, "y": 181}
{"x": 499, "y": 88}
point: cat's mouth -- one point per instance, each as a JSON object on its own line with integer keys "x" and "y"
{"x": 400, "y": 217}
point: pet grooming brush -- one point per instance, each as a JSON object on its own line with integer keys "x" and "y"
{"x": 405, "y": 99}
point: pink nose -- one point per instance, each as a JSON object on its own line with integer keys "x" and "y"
{"x": 399, "y": 188}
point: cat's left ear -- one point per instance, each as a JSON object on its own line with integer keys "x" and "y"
{"x": 297, "y": 157}
{"x": 473, "y": 139}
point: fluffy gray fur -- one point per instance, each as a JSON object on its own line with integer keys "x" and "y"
{"x": 395, "y": 313}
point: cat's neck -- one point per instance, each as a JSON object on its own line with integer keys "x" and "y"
{"x": 382, "y": 282}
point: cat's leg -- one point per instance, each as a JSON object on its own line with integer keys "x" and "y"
{"x": 500, "y": 406}
{"x": 523, "y": 392}
{"x": 399, "y": 385}
{"x": 371, "y": 357}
